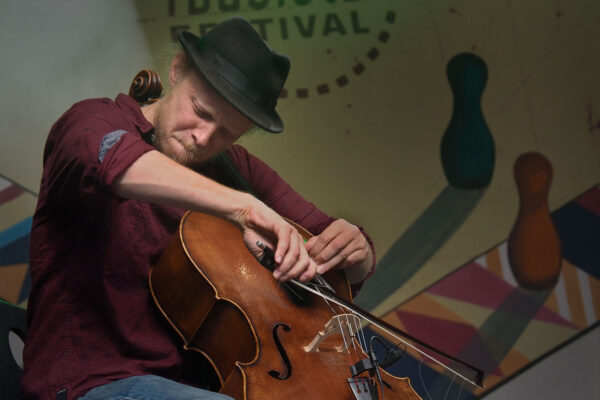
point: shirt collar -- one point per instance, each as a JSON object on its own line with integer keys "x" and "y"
{"x": 133, "y": 112}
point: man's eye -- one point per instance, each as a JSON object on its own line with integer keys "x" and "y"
{"x": 201, "y": 112}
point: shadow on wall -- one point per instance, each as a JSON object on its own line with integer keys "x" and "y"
{"x": 418, "y": 244}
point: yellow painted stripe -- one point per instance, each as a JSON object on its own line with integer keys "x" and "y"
{"x": 574, "y": 294}
{"x": 11, "y": 280}
{"x": 393, "y": 319}
{"x": 16, "y": 210}
{"x": 595, "y": 289}
{"x": 427, "y": 305}
{"x": 492, "y": 259}
{"x": 513, "y": 362}
{"x": 490, "y": 381}
{"x": 552, "y": 302}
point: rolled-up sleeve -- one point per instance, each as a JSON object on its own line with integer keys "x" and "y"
{"x": 86, "y": 151}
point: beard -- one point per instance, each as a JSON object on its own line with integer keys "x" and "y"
{"x": 186, "y": 153}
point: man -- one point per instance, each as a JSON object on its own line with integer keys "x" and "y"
{"x": 117, "y": 179}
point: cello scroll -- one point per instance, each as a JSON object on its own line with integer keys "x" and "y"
{"x": 146, "y": 87}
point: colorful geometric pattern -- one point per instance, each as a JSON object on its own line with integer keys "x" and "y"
{"x": 479, "y": 314}
{"x": 16, "y": 209}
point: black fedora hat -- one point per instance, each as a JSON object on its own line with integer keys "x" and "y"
{"x": 240, "y": 65}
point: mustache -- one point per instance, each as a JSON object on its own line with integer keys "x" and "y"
{"x": 188, "y": 145}
{"x": 180, "y": 147}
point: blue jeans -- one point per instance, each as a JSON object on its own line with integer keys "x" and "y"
{"x": 150, "y": 387}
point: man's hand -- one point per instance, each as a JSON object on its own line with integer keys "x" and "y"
{"x": 258, "y": 222}
{"x": 341, "y": 245}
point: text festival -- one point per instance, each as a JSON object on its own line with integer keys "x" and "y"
{"x": 300, "y": 26}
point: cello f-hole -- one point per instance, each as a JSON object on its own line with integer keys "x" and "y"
{"x": 287, "y": 372}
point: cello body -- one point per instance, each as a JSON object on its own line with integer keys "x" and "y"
{"x": 227, "y": 306}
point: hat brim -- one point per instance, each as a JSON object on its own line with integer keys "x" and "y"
{"x": 269, "y": 120}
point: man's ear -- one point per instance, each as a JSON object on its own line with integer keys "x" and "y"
{"x": 177, "y": 68}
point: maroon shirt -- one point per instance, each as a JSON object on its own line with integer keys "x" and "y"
{"x": 91, "y": 318}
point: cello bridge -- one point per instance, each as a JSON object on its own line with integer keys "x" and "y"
{"x": 338, "y": 324}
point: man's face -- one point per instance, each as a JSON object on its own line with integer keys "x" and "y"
{"x": 194, "y": 123}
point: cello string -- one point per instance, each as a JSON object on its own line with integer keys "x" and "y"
{"x": 356, "y": 351}
{"x": 360, "y": 328}
{"x": 383, "y": 328}
{"x": 337, "y": 315}
{"x": 350, "y": 332}
{"x": 422, "y": 380}
{"x": 344, "y": 310}
{"x": 318, "y": 291}
{"x": 343, "y": 336}
{"x": 325, "y": 284}
{"x": 291, "y": 290}
{"x": 448, "y": 388}
{"x": 359, "y": 332}
{"x": 462, "y": 385}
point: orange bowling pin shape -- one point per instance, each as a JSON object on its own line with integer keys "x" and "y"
{"x": 534, "y": 248}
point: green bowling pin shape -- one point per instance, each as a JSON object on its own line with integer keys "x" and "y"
{"x": 467, "y": 147}
{"x": 534, "y": 248}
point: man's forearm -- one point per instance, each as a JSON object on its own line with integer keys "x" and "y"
{"x": 156, "y": 178}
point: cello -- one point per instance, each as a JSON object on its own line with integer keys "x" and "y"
{"x": 266, "y": 340}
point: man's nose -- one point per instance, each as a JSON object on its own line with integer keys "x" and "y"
{"x": 202, "y": 135}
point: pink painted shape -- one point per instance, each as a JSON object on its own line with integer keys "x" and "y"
{"x": 447, "y": 336}
{"x": 549, "y": 316}
{"x": 474, "y": 284}
{"x": 10, "y": 193}
{"x": 590, "y": 201}
{"x": 455, "y": 338}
